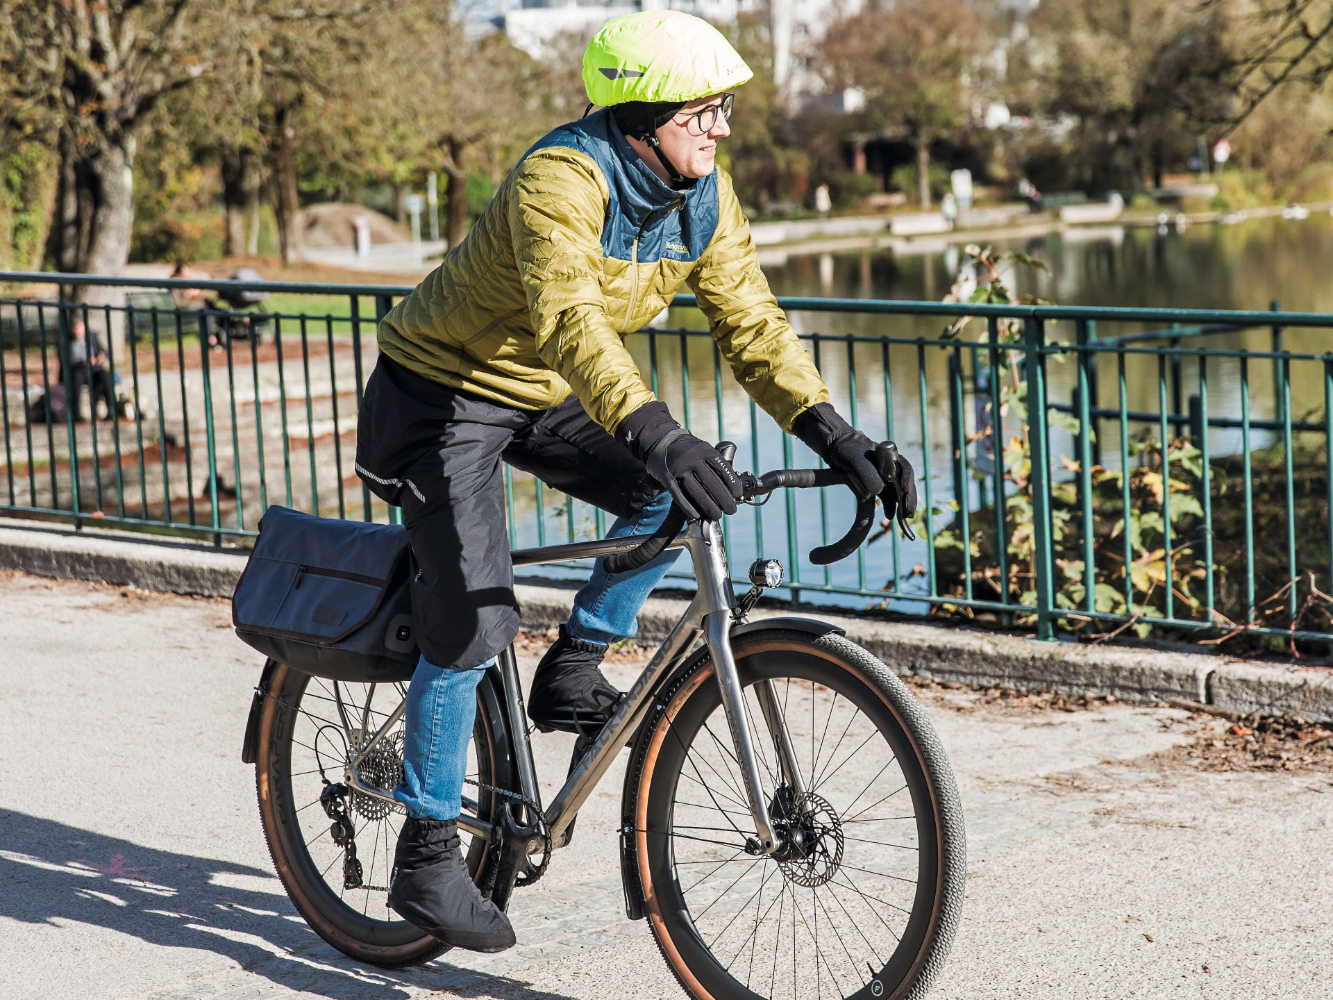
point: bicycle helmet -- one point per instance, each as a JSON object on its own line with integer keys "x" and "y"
{"x": 646, "y": 66}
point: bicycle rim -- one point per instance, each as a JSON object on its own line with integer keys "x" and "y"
{"x": 303, "y": 747}
{"x": 866, "y": 902}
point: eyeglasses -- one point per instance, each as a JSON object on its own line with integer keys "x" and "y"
{"x": 706, "y": 117}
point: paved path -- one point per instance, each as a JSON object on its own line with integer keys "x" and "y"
{"x": 1104, "y": 863}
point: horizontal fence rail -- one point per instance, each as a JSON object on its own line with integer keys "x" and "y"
{"x": 1084, "y": 469}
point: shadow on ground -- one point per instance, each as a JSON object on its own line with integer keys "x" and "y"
{"x": 55, "y": 874}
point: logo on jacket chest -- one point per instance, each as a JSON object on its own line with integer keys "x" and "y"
{"x": 677, "y": 248}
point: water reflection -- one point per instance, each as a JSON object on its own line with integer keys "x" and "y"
{"x": 904, "y": 391}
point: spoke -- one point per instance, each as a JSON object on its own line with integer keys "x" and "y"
{"x": 699, "y": 916}
{"x": 817, "y": 754}
{"x": 682, "y": 836}
{"x": 852, "y": 818}
{"x": 696, "y": 805}
{"x": 867, "y": 871}
{"x": 759, "y": 744}
{"x": 866, "y": 895}
{"x": 857, "y": 924}
{"x": 709, "y": 791}
{"x": 877, "y": 819}
{"x": 829, "y": 776}
{"x": 777, "y": 945}
{"x": 881, "y": 843}
{"x": 744, "y": 907}
{"x": 868, "y": 784}
{"x": 818, "y": 951}
{"x": 697, "y": 777}
{"x": 714, "y": 870}
{"x": 819, "y": 903}
{"x": 754, "y": 934}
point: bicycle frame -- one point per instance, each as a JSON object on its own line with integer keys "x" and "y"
{"x": 710, "y": 615}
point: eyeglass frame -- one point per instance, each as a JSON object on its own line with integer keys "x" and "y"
{"x": 724, "y": 107}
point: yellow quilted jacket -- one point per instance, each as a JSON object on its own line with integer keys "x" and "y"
{"x": 581, "y": 245}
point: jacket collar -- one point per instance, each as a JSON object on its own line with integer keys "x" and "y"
{"x": 642, "y": 191}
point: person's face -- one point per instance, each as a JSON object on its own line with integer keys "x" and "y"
{"x": 691, "y": 149}
{"x": 77, "y": 330}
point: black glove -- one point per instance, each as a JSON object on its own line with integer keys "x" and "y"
{"x": 871, "y": 468}
{"x": 841, "y": 446}
{"x": 699, "y": 479}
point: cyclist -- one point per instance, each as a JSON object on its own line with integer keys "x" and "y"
{"x": 511, "y": 351}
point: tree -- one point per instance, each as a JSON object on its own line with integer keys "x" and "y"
{"x": 920, "y": 63}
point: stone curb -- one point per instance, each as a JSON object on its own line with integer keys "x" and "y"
{"x": 930, "y": 651}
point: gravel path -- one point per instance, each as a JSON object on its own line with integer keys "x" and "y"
{"x": 1109, "y": 854}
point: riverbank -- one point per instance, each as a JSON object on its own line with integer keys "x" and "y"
{"x": 778, "y": 240}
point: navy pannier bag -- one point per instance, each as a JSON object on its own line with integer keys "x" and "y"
{"x": 328, "y": 597}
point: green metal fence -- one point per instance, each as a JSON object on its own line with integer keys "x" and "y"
{"x": 1086, "y": 469}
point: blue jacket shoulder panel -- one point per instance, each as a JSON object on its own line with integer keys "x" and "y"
{"x": 677, "y": 225}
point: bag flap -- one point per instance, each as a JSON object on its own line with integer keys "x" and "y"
{"x": 358, "y": 547}
{"x": 315, "y": 578}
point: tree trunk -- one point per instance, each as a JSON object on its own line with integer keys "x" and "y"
{"x": 69, "y": 236}
{"x": 254, "y": 185}
{"x": 399, "y": 206}
{"x": 284, "y": 175}
{"x": 233, "y": 201}
{"x": 456, "y": 204}
{"x": 923, "y": 170}
{"x": 110, "y": 176}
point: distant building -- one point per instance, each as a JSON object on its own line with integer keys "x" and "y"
{"x": 532, "y": 25}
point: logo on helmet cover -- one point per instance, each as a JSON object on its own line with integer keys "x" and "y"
{"x": 621, "y": 74}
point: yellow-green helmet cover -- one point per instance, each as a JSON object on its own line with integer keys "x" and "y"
{"x": 661, "y": 56}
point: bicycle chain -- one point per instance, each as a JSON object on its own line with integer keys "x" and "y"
{"x": 532, "y": 874}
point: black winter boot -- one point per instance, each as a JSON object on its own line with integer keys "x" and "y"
{"x": 430, "y": 887}
{"x": 569, "y": 693}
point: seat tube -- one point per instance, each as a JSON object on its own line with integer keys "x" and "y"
{"x": 710, "y": 568}
{"x": 518, "y": 725}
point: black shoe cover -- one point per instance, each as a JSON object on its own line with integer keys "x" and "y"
{"x": 430, "y": 888}
{"x": 569, "y": 693}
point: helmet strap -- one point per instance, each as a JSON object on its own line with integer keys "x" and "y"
{"x": 641, "y": 120}
{"x": 678, "y": 180}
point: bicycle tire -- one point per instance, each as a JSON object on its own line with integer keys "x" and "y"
{"x": 684, "y": 707}
{"x": 386, "y": 943}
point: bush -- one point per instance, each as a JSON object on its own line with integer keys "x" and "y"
{"x": 848, "y": 189}
{"x": 479, "y": 192}
{"x": 904, "y": 178}
{"x": 177, "y": 238}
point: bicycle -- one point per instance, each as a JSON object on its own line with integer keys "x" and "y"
{"x": 737, "y": 839}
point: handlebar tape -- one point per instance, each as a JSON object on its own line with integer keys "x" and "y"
{"x": 654, "y": 546}
{"x": 856, "y": 534}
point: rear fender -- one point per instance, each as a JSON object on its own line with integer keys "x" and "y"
{"x": 250, "y": 746}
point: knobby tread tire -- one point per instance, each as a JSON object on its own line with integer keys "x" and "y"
{"x": 284, "y": 685}
{"x": 951, "y": 885}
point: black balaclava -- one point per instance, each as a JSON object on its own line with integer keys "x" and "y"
{"x": 641, "y": 120}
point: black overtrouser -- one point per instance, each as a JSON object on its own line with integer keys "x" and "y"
{"x": 437, "y": 453}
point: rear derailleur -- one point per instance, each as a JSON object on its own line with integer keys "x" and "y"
{"x": 334, "y": 802}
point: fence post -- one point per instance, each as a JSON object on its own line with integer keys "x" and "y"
{"x": 383, "y": 303}
{"x": 1034, "y": 338}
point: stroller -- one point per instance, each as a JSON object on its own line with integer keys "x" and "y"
{"x": 239, "y": 324}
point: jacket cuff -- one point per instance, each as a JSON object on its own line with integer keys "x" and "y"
{"x": 641, "y": 430}
{"x": 819, "y": 427}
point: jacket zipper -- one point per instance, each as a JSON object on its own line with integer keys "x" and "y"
{"x": 339, "y": 574}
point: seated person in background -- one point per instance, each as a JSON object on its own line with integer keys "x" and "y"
{"x": 192, "y": 299}
{"x": 87, "y": 367}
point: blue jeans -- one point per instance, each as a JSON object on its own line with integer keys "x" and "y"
{"x": 442, "y": 704}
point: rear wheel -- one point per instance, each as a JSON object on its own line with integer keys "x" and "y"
{"x": 865, "y": 895}
{"x": 340, "y": 884}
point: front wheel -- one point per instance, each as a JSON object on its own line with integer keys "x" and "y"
{"x": 864, "y": 897}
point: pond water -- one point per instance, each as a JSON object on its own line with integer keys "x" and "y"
{"x": 904, "y": 391}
